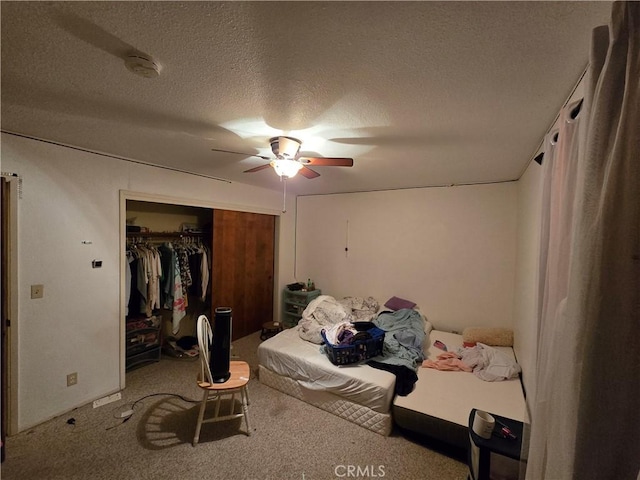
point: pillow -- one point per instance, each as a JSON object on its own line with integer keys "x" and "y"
{"x": 495, "y": 336}
{"x": 396, "y": 303}
{"x": 426, "y": 324}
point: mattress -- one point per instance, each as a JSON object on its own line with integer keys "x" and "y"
{"x": 287, "y": 355}
{"x": 440, "y": 403}
{"x": 381, "y": 423}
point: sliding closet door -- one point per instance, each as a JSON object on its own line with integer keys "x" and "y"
{"x": 242, "y": 274}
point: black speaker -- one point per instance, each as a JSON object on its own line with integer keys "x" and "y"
{"x": 221, "y": 348}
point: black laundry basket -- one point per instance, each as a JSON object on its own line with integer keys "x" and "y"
{"x": 360, "y": 349}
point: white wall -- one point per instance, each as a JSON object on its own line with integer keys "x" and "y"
{"x": 452, "y": 250}
{"x": 70, "y": 197}
{"x": 525, "y": 309}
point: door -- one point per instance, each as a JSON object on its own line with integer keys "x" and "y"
{"x": 242, "y": 273}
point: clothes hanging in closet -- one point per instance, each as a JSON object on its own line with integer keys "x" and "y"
{"x": 146, "y": 271}
{"x": 164, "y": 276}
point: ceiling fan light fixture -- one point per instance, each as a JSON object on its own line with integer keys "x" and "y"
{"x": 285, "y": 147}
{"x": 286, "y": 168}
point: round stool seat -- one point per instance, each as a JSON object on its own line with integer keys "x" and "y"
{"x": 269, "y": 329}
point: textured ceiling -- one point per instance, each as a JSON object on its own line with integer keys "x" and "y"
{"x": 418, "y": 93}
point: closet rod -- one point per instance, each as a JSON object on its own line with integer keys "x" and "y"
{"x": 157, "y": 237}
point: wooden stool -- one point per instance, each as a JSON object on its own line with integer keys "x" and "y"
{"x": 269, "y": 329}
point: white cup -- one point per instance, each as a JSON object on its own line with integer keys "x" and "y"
{"x": 483, "y": 424}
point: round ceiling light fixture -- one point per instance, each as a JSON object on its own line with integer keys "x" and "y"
{"x": 142, "y": 65}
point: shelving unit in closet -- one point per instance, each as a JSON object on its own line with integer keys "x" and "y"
{"x": 143, "y": 341}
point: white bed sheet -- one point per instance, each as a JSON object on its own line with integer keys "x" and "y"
{"x": 288, "y": 355}
{"x": 451, "y": 395}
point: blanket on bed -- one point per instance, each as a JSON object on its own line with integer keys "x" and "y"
{"x": 402, "y": 351}
{"x": 404, "y": 333}
{"x": 325, "y": 312}
{"x": 403, "y": 339}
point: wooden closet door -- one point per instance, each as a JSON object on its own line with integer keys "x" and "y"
{"x": 242, "y": 271}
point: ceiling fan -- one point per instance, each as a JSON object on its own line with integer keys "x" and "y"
{"x": 288, "y": 161}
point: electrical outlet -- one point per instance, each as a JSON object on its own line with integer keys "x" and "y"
{"x": 37, "y": 291}
{"x": 72, "y": 379}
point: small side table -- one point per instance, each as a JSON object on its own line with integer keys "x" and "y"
{"x": 269, "y": 329}
{"x": 489, "y": 454}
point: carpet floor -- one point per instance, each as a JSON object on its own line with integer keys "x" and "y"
{"x": 290, "y": 439}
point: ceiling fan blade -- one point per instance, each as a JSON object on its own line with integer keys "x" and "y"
{"x": 308, "y": 173}
{"x": 240, "y": 153}
{"x": 257, "y": 169}
{"x": 327, "y": 162}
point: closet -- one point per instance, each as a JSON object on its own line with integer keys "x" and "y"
{"x": 185, "y": 261}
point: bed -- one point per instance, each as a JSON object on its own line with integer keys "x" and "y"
{"x": 440, "y": 403}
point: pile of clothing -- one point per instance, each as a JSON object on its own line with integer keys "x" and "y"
{"x": 325, "y": 312}
{"x": 486, "y": 363}
{"x": 345, "y": 333}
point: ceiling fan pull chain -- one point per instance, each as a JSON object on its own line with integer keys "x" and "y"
{"x": 284, "y": 194}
